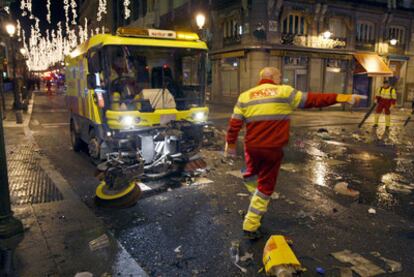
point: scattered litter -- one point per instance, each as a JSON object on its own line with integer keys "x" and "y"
{"x": 320, "y": 270}
{"x": 401, "y": 188}
{"x": 322, "y": 130}
{"x": 289, "y": 167}
{"x": 324, "y": 136}
{"x": 243, "y": 194}
{"x": 242, "y": 213}
{"x": 343, "y": 189}
{"x": 278, "y": 258}
{"x": 235, "y": 255}
{"x": 334, "y": 162}
{"x": 246, "y": 257}
{"x": 392, "y": 266}
{"x": 361, "y": 265}
{"x": 235, "y": 173}
{"x": 144, "y": 187}
{"x": 290, "y": 202}
{"x": 345, "y": 272}
{"x": 178, "y": 249}
{"x": 62, "y": 217}
{"x": 372, "y": 211}
{"x": 99, "y": 243}
{"x": 84, "y": 274}
{"x": 200, "y": 181}
{"x": 275, "y": 196}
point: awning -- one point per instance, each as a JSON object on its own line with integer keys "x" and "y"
{"x": 372, "y": 65}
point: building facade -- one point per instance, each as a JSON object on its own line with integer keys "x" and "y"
{"x": 320, "y": 46}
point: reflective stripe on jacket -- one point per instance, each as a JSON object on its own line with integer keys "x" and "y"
{"x": 266, "y": 109}
{"x": 387, "y": 93}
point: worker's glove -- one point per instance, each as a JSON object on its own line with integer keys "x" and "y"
{"x": 351, "y": 99}
{"x": 230, "y": 150}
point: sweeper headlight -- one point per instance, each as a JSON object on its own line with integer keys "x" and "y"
{"x": 128, "y": 121}
{"x": 200, "y": 116}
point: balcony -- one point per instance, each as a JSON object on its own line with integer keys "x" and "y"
{"x": 313, "y": 41}
{"x": 365, "y": 45}
{"x": 398, "y": 49}
{"x": 229, "y": 41}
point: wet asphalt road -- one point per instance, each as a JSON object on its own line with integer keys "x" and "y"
{"x": 202, "y": 220}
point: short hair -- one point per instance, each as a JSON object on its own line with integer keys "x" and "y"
{"x": 268, "y": 72}
{"x": 386, "y": 82}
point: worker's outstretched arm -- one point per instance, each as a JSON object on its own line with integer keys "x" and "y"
{"x": 235, "y": 124}
{"x": 308, "y": 100}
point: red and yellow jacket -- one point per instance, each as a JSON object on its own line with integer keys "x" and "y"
{"x": 387, "y": 95}
{"x": 266, "y": 109}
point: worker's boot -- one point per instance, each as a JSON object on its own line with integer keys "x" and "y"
{"x": 258, "y": 207}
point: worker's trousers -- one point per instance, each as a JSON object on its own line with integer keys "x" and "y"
{"x": 383, "y": 105}
{"x": 263, "y": 166}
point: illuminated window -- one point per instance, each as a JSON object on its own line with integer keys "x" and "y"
{"x": 398, "y": 33}
{"x": 365, "y": 32}
{"x": 294, "y": 24}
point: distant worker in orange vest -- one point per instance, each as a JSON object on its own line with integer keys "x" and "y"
{"x": 266, "y": 109}
{"x": 386, "y": 98}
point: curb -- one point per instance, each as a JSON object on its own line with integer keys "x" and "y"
{"x": 123, "y": 263}
{"x": 8, "y": 124}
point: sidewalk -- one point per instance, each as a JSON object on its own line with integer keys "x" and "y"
{"x": 10, "y": 114}
{"x": 62, "y": 236}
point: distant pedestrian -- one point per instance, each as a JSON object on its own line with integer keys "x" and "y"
{"x": 386, "y": 98}
{"x": 49, "y": 86}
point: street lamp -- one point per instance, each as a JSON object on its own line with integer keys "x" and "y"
{"x": 327, "y": 34}
{"x": 200, "y": 20}
{"x": 23, "y": 51}
{"x": 393, "y": 41}
{"x": 11, "y": 29}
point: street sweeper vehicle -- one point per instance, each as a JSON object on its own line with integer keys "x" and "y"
{"x": 137, "y": 100}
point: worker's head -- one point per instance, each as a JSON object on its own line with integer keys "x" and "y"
{"x": 270, "y": 73}
{"x": 386, "y": 84}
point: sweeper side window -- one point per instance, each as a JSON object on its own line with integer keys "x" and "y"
{"x": 137, "y": 73}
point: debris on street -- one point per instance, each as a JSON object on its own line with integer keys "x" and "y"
{"x": 178, "y": 249}
{"x": 278, "y": 257}
{"x": 361, "y": 265}
{"x": 246, "y": 257}
{"x": 235, "y": 255}
{"x": 235, "y": 173}
{"x": 372, "y": 211}
{"x": 84, "y": 274}
{"x": 289, "y": 167}
{"x": 345, "y": 272}
{"x": 343, "y": 189}
{"x": 275, "y": 195}
{"x": 99, "y": 243}
{"x": 392, "y": 266}
{"x": 243, "y": 194}
{"x": 198, "y": 181}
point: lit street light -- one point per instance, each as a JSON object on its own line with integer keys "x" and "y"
{"x": 327, "y": 34}
{"x": 200, "y": 20}
{"x": 11, "y": 29}
{"x": 23, "y": 51}
{"x": 393, "y": 41}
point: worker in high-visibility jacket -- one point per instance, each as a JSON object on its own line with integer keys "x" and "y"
{"x": 386, "y": 99}
{"x": 266, "y": 109}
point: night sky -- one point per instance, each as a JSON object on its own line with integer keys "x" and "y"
{"x": 40, "y": 11}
